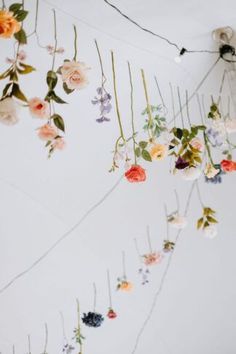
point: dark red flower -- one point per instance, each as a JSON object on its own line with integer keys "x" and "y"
{"x": 111, "y": 314}
{"x": 181, "y": 164}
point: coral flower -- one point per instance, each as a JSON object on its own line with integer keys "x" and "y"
{"x": 228, "y": 165}
{"x": 59, "y": 144}
{"x": 47, "y": 132}
{"x": 125, "y": 286}
{"x": 8, "y": 24}
{"x": 135, "y": 174}
{"x": 111, "y": 314}
{"x": 158, "y": 152}
{"x": 152, "y": 258}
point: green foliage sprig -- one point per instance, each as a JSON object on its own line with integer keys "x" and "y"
{"x": 20, "y": 15}
{"x": 208, "y": 218}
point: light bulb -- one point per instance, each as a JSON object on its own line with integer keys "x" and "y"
{"x": 178, "y": 59}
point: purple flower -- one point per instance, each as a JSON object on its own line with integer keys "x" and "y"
{"x": 103, "y": 100}
{"x": 102, "y": 119}
{"x": 181, "y": 164}
{"x": 214, "y": 137}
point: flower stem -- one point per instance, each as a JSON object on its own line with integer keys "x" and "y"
{"x": 208, "y": 148}
{"x": 79, "y": 328}
{"x": 46, "y": 339}
{"x": 55, "y": 38}
{"x": 75, "y": 43}
{"x": 95, "y": 297}
{"x": 116, "y": 97}
{"x": 149, "y": 112}
{"x": 3, "y": 4}
{"x": 104, "y": 79}
{"x": 109, "y": 288}
{"x": 132, "y": 111}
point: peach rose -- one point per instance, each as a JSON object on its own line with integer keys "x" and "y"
{"x": 158, "y": 152}
{"x": 74, "y": 74}
{"x": 197, "y": 144}
{"x": 8, "y": 24}
{"x": 152, "y": 258}
{"x": 39, "y": 108}
{"x": 126, "y": 286}
{"x": 228, "y": 165}
{"x": 47, "y": 132}
{"x": 135, "y": 174}
{"x": 59, "y": 144}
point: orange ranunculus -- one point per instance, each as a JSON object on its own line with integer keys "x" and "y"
{"x": 135, "y": 174}
{"x": 228, "y": 165}
{"x": 8, "y": 24}
{"x": 126, "y": 286}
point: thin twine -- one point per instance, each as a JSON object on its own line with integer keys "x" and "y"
{"x": 95, "y": 297}
{"x": 109, "y": 288}
{"x": 123, "y": 264}
{"x": 198, "y": 87}
{"x": 153, "y": 305}
{"x": 187, "y": 108}
{"x": 29, "y": 344}
{"x": 63, "y": 327}
{"x": 46, "y": 339}
{"x": 172, "y": 103}
{"x": 62, "y": 238}
{"x": 180, "y": 107}
{"x": 200, "y": 108}
{"x": 167, "y": 224}
{"x": 160, "y": 94}
{"x": 149, "y": 238}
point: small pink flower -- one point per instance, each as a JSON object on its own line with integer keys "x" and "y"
{"x": 152, "y": 258}
{"x": 47, "y": 132}
{"x": 197, "y": 144}
{"x": 59, "y": 144}
{"x": 60, "y": 50}
{"x": 21, "y": 55}
{"x": 39, "y": 108}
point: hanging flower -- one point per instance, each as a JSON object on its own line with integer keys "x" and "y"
{"x": 215, "y": 136}
{"x": 92, "y": 319}
{"x": 210, "y": 231}
{"x": 104, "y": 101}
{"x": 74, "y": 74}
{"x": 181, "y": 163}
{"x": 59, "y": 143}
{"x": 39, "y": 108}
{"x": 197, "y": 144}
{"x": 47, "y": 132}
{"x": 111, "y": 314}
{"x": 168, "y": 246}
{"x": 228, "y": 165}
{"x": 135, "y": 174}
{"x": 191, "y": 173}
{"x": 67, "y": 348}
{"x": 210, "y": 171}
{"x": 158, "y": 152}
{"x": 177, "y": 221}
{"x": 8, "y": 111}
{"x": 152, "y": 258}
{"x": 51, "y": 50}
{"x": 8, "y": 24}
{"x": 124, "y": 284}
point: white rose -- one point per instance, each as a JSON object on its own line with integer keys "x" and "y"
{"x": 210, "y": 171}
{"x": 74, "y": 74}
{"x": 191, "y": 173}
{"x": 210, "y": 231}
{"x": 230, "y": 126}
{"x": 8, "y": 111}
{"x": 177, "y": 221}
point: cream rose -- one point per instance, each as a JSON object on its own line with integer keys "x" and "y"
{"x": 191, "y": 173}
{"x": 177, "y": 221}
{"x": 8, "y": 24}
{"x": 8, "y": 111}
{"x": 39, "y": 108}
{"x": 210, "y": 231}
{"x": 74, "y": 74}
{"x": 210, "y": 171}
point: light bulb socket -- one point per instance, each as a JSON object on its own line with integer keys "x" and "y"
{"x": 182, "y": 51}
{"x": 226, "y": 49}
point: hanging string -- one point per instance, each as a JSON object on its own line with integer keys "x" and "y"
{"x": 149, "y": 239}
{"x": 62, "y": 238}
{"x": 46, "y": 339}
{"x": 163, "y": 278}
{"x": 160, "y": 94}
{"x": 132, "y": 111}
{"x": 123, "y": 264}
{"x": 95, "y": 297}
{"x": 187, "y": 108}
{"x": 200, "y": 108}
{"x": 197, "y": 88}
{"x": 172, "y": 103}
{"x": 167, "y": 224}
{"x": 29, "y": 344}
{"x": 109, "y": 289}
{"x": 180, "y": 107}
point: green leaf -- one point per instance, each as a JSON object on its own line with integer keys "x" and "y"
{"x": 138, "y": 151}
{"x": 5, "y": 74}
{"x": 178, "y": 133}
{"x": 21, "y": 36}
{"x": 58, "y": 121}
{"x": 211, "y": 220}
{"x": 66, "y": 89}
{"x": 6, "y": 88}
{"x": 18, "y": 93}
{"x": 15, "y": 7}
{"x": 143, "y": 144}
{"x": 51, "y": 79}
{"x": 13, "y": 76}
{"x": 27, "y": 69}
{"x": 21, "y": 15}
{"x": 146, "y": 156}
{"x": 200, "y": 223}
{"x": 56, "y": 98}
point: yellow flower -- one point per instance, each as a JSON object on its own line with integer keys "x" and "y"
{"x": 158, "y": 152}
{"x": 8, "y": 24}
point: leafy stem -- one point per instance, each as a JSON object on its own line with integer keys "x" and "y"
{"x": 208, "y": 148}
{"x": 75, "y": 43}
